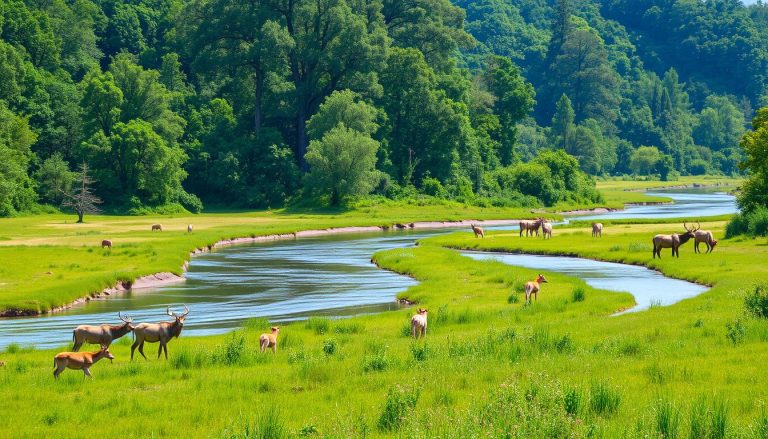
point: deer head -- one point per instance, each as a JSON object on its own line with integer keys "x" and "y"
{"x": 691, "y": 230}
{"x": 541, "y": 279}
{"x": 128, "y": 321}
{"x": 178, "y": 324}
{"x": 104, "y": 352}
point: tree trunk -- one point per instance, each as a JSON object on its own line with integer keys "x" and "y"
{"x": 80, "y": 216}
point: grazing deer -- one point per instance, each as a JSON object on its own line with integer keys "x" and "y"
{"x": 161, "y": 332}
{"x": 419, "y": 324}
{"x": 597, "y": 230}
{"x": 106, "y": 243}
{"x": 546, "y": 230}
{"x": 706, "y": 237}
{"x": 157, "y": 227}
{"x": 269, "y": 340}
{"x": 673, "y": 241}
{"x": 79, "y": 360}
{"x": 533, "y": 287}
{"x": 189, "y": 228}
{"x": 531, "y": 227}
{"x": 478, "y": 231}
{"x": 103, "y": 334}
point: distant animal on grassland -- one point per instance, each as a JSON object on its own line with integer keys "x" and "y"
{"x": 530, "y": 226}
{"x": 706, "y": 237}
{"x": 106, "y": 243}
{"x": 2, "y": 363}
{"x": 533, "y": 287}
{"x": 79, "y": 360}
{"x": 102, "y": 335}
{"x": 546, "y": 230}
{"x": 161, "y": 332}
{"x": 157, "y": 227}
{"x": 597, "y": 230}
{"x": 478, "y": 231}
{"x": 269, "y": 340}
{"x": 189, "y": 228}
{"x": 419, "y": 323}
{"x": 673, "y": 241}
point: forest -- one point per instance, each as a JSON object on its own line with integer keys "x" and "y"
{"x": 165, "y": 106}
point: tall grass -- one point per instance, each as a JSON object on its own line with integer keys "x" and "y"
{"x": 667, "y": 418}
{"x": 400, "y": 401}
{"x": 604, "y": 399}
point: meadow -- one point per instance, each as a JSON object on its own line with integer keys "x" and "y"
{"x": 490, "y": 366}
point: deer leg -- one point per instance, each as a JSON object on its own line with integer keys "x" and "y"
{"x": 57, "y": 372}
{"x": 141, "y": 349}
{"x": 159, "y": 350}
{"x": 86, "y": 373}
{"x": 165, "y": 349}
{"x": 133, "y": 347}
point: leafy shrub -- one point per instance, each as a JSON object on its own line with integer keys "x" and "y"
{"x": 232, "y": 352}
{"x": 572, "y": 402}
{"x": 735, "y": 331}
{"x": 513, "y": 298}
{"x": 752, "y": 223}
{"x": 432, "y": 186}
{"x": 400, "y": 400}
{"x": 376, "y": 360}
{"x": 756, "y": 302}
{"x": 419, "y": 351}
{"x": 329, "y": 347}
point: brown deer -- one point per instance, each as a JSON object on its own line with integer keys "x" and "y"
{"x": 478, "y": 231}
{"x": 533, "y": 287}
{"x": 157, "y": 227}
{"x": 597, "y": 230}
{"x": 707, "y": 238}
{"x": 269, "y": 340}
{"x": 673, "y": 241}
{"x": 103, "y": 334}
{"x": 530, "y": 227}
{"x": 161, "y": 332}
{"x": 419, "y": 324}
{"x": 106, "y": 243}
{"x": 79, "y": 360}
{"x": 546, "y": 229}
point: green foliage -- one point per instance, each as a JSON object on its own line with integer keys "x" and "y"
{"x": 735, "y": 331}
{"x": 756, "y": 302}
{"x": 400, "y": 401}
{"x": 578, "y": 294}
{"x": 16, "y": 138}
{"x": 604, "y": 399}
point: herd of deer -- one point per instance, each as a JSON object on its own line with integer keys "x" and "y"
{"x": 159, "y": 227}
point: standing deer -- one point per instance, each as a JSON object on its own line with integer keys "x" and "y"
{"x": 269, "y": 340}
{"x": 533, "y": 287}
{"x": 531, "y": 227}
{"x": 673, "y": 241}
{"x": 478, "y": 231}
{"x": 106, "y": 243}
{"x": 597, "y": 230}
{"x": 79, "y": 360}
{"x": 103, "y": 334}
{"x": 189, "y": 228}
{"x": 419, "y": 324}
{"x": 161, "y": 332}
{"x": 546, "y": 229}
{"x": 707, "y": 238}
{"x": 157, "y": 227}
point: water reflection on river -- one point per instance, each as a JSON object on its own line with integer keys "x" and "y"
{"x": 289, "y": 280}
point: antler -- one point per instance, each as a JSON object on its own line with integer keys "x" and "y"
{"x": 698, "y": 226}
{"x": 126, "y": 319}
{"x": 186, "y": 311}
{"x": 168, "y": 311}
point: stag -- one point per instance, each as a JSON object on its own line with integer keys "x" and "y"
{"x": 161, "y": 332}
{"x": 79, "y": 360}
{"x": 531, "y": 227}
{"x": 707, "y": 238}
{"x": 673, "y": 241}
{"x": 478, "y": 231}
{"x": 597, "y": 230}
{"x": 102, "y": 334}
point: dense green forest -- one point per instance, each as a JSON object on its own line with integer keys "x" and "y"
{"x": 248, "y": 103}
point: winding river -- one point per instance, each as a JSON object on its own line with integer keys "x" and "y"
{"x": 333, "y": 276}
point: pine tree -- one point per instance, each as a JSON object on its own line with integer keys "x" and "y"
{"x": 81, "y": 199}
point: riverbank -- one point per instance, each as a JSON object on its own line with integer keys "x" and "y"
{"x": 485, "y": 353}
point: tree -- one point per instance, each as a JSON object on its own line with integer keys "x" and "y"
{"x": 16, "y": 188}
{"x": 81, "y": 199}
{"x": 343, "y": 163}
{"x": 562, "y": 124}
{"x": 343, "y": 108}
{"x": 644, "y": 160}
{"x": 754, "y": 192}
{"x": 55, "y": 179}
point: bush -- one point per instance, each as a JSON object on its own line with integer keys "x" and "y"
{"x": 376, "y": 360}
{"x": 752, "y": 223}
{"x": 756, "y": 302}
{"x": 432, "y": 186}
{"x": 330, "y": 347}
{"x": 400, "y": 400}
{"x": 735, "y": 331}
{"x": 578, "y": 294}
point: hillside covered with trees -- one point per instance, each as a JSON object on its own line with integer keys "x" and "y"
{"x": 261, "y": 103}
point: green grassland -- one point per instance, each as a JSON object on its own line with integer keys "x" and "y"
{"x": 617, "y": 192}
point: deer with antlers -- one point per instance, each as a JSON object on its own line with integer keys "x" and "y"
{"x": 530, "y": 227}
{"x": 161, "y": 332}
{"x": 673, "y": 241}
{"x": 103, "y": 334}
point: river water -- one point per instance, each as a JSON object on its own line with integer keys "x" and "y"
{"x": 333, "y": 276}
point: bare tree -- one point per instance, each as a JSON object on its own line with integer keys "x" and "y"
{"x": 81, "y": 199}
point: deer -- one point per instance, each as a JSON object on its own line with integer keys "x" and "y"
{"x": 533, "y": 287}
{"x": 157, "y": 227}
{"x": 419, "y": 324}
{"x": 189, "y": 228}
{"x": 673, "y": 241}
{"x": 103, "y": 334}
{"x": 106, "y": 243}
{"x": 478, "y": 231}
{"x": 531, "y": 226}
{"x": 706, "y": 237}
{"x": 269, "y": 340}
{"x": 161, "y": 332}
{"x": 79, "y": 360}
{"x": 597, "y": 230}
{"x": 546, "y": 229}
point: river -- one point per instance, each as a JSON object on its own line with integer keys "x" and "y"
{"x": 327, "y": 276}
